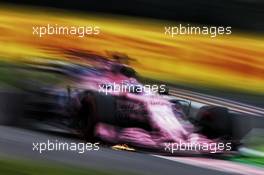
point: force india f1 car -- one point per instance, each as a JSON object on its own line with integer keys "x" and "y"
{"x": 134, "y": 115}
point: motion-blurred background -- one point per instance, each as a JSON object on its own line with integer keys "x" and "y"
{"x": 230, "y": 67}
{"x": 231, "y": 63}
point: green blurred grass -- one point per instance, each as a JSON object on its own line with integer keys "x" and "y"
{"x": 257, "y": 161}
{"x": 19, "y": 167}
{"x": 19, "y": 77}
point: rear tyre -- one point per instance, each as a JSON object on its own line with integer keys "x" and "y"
{"x": 11, "y": 108}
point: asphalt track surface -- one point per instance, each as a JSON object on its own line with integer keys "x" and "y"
{"x": 17, "y": 142}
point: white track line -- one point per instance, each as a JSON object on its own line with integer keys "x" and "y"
{"x": 199, "y": 95}
{"x": 238, "y": 108}
{"x": 218, "y": 165}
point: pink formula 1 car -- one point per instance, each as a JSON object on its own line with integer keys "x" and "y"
{"x": 115, "y": 108}
{"x": 107, "y": 103}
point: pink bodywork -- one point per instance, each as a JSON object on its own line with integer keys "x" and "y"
{"x": 167, "y": 126}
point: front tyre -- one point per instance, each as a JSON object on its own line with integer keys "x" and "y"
{"x": 88, "y": 117}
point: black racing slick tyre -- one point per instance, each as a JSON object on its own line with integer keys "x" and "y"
{"x": 11, "y": 108}
{"x": 88, "y": 117}
{"x": 215, "y": 121}
{"x": 95, "y": 108}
